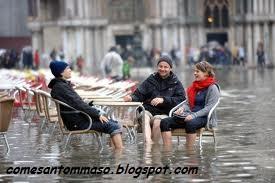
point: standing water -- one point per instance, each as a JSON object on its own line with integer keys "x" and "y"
{"x": 245, "y": 150}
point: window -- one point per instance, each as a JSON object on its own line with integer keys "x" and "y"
{"x": 216, "y": 14}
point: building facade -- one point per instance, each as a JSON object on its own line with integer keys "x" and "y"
{"x": 13, "y": 30}
{"x": 90, "y": 27}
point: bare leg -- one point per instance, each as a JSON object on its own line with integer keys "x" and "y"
{"x": 190, "y": 140}
{"x": 147, "y": 130}
{"x": 167, "y": 138}
{"x": 156, "y": 130}
{"x": 117, "y": 141}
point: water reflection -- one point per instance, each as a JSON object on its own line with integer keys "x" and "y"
{"x": 245, "y": 149}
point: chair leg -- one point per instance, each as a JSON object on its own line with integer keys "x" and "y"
{"x": 178, "y": 139}
{"x": 129, "y": 133}
{"x": 7, "y": 144}
{"x": 43, "y": 123}
{"x": 67, "y": 141}
{"x": 133, "y": 134}
{"x": 214, "y": 137}
{"x": 53, "y": 128}
{"x": 200, "y": 140}
{"x": 99, "y": 141}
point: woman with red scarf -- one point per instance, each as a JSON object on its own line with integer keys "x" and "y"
{"x": 202, "y": 95}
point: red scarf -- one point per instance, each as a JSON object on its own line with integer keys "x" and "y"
{"x": 198, "y": 86}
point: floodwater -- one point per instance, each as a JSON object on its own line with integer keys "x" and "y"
{"x": 245, "y": 150}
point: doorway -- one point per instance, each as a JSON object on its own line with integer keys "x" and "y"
{"x": 221, "y": 38}
{"x": 124, "y": 40}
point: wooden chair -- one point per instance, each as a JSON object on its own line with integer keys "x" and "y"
{"x": 206, "y": 131}
{"x": 67, "y": 132}
{"x": 6, "y": 106}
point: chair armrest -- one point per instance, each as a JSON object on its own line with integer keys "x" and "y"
{"x": 175, "y": 108}
{"x": 58, "y": 103}
{"x": 211, "y": 113}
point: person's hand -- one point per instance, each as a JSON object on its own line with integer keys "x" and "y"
{"x": 103, "y": 119}
{"x": 188, "y": 118}
{"x": 127, "y": 98}
{"x": 156, "y": 101}
{"x": 179, "y": 111}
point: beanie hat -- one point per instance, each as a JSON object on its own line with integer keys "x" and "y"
{"x": 57, "y": 67}
{"x": 166, "y": 59}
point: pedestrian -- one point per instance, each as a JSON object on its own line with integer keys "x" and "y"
{"x": 36, "y": 59}
{"x": 260, "y": 55}
{"x": 112, "y": 65}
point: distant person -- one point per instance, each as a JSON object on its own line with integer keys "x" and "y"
{"x": 260, "y": 55}
{"x": 202, "y": 95}
{"x": 36, "y": 59}
{"x": 53, "y": 54}
{"x": 241, "y": 55}
{"x": 80, "y": 64}
{"x": 61, "y": 90}
{"x": 112, "y": 64}
{"x": 160, "y": 92}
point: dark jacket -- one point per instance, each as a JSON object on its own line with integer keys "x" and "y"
{"x": 62, "y": 90}
{"x": 170, "y": 89}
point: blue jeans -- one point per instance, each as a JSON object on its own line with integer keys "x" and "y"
{"x": 111, "y": 127}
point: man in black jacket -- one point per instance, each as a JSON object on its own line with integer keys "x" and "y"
{"x": 160, "y": 92}
{"x": 62, "y": 90}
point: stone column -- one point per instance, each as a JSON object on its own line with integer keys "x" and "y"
{"x": 249, "y": 46}
{"x": 182, "y": 45}
{"x": 37, "y": 41}
{"x": 255, "y": 7}
{"x": 266, "y": 42}
{"x": 158, "y": 37}
{"x": 266, "y": 7}
{"x": 271, "y": 4}
{"x": 249, "y": 6}
{"x": 201, "y": 36}
{"x": 97, "y": 42}
{"x": 273, "y": 44}
{"x": 88, "y": 50}
{"x": 261, "y": 6}
{"x": 164, "y": 38}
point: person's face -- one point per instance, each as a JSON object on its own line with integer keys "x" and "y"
{"x": 66, "y": 74}
{"x": 164, "y": 69}
{"x": 199, "y": 75}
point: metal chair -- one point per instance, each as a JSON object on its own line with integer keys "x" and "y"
{"x": 67, "y": 132}
{"x": 206, "y": 131}
{"x": 6, "y": 107}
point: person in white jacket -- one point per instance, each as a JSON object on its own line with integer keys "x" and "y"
{"x": 112, "y": 64}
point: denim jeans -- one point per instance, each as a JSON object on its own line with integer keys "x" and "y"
{"x": 111, "y": 127}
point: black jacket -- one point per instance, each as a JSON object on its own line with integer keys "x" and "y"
{"x": 170, "y": 89}
{"x": 62, "y": 90}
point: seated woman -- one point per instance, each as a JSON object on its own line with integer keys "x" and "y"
{"x": 203, "y": 94}
{"x": 62, "y": 90}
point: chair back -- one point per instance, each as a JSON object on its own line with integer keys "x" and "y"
{"x": 63, "y": 128}
{"x": 6, "y": 106}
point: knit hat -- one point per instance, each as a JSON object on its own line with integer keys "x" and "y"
{"x": 57, "y": 67}
{"x": 166, "y": 59}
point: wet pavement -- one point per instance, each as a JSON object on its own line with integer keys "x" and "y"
{"x": 245, "y": 150}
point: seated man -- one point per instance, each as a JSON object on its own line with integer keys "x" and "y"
{"x": 62, "y": 90}
{"x": 160, "y": 92}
